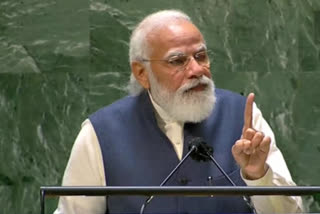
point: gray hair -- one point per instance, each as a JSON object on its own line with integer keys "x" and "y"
{"x": 139, "y": 47}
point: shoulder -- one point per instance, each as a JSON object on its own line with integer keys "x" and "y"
{"x": 118, "y": 105}
{"x": 119, "y": 109}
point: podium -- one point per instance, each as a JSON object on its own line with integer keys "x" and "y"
{"x": 199, "y": 191}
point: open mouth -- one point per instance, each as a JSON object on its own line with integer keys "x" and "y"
{"x": 199, "y": 87}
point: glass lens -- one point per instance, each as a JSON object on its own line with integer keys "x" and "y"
{"x": 180, "y": 60}
{"x": 202, "y": 57}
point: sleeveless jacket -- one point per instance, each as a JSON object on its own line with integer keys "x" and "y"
{"x": 137, "y": 153}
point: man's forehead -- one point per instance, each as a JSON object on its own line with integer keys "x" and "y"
{"x": 176, "y": 36}
{"x": 179, "y": 50}
{"x": 172, "y": 30}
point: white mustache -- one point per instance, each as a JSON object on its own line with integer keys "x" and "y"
{"x": 195, "y": 82}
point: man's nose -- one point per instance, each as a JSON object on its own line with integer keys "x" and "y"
{"x": 194, "y": 69}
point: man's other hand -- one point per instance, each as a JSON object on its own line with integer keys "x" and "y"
{"x": 251, "y": 151}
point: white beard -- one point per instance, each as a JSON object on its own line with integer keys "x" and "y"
{"x": 183, "y": 105}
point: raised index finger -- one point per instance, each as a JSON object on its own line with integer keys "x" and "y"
{"x": 248, "y": 112}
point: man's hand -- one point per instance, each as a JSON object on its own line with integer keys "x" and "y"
{"x": 251, "y": 151}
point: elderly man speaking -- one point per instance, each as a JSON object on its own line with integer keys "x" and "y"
{"x": 138, "y": 140}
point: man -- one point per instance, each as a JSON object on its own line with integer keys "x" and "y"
{"x": 139, "y": 139}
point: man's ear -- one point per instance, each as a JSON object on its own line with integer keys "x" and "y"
{"x": 140, "y": 73}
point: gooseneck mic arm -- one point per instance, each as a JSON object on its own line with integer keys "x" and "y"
{"x": 221, "y": 170}
{"x": 204, "y": 152}
{"x": 192, "y": 149}
{"x": 245, "y": 198}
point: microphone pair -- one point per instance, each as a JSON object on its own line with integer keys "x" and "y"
{"x": 199, "y": 151}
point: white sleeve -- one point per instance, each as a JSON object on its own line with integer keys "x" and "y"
{"x": 85, "y": 168}
{"x": 277, "y": 175}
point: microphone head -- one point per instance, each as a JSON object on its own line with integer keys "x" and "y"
{"x": 202, "y": 150}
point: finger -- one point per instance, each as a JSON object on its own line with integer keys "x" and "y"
{"x": 249, "y": 134}
{"x": 247, "y": 147}
{"x": 237, "y": 148}
{"x": 248, "y": 112}
{"x": 241, "y": 146}
{"x": 257, "y": 139}
{"x": 265, "y": 145}
{"x": 238, "y": 153}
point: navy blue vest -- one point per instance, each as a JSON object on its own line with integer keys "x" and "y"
{"x": 137, "y": 153}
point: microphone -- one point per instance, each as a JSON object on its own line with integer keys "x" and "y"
{"x": 193, "y": 147}
{"x": 204, "y": 153}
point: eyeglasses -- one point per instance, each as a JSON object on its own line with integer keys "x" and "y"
{"x": 181, "y": 61}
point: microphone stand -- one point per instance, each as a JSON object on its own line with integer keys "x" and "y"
{"x": 149, "y": 199}
{"x": 245, "y": 197}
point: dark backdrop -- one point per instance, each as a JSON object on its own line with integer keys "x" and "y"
{"x": 61, "y": 60}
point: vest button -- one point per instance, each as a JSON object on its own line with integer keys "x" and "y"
{"x": 183, "y": 181}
